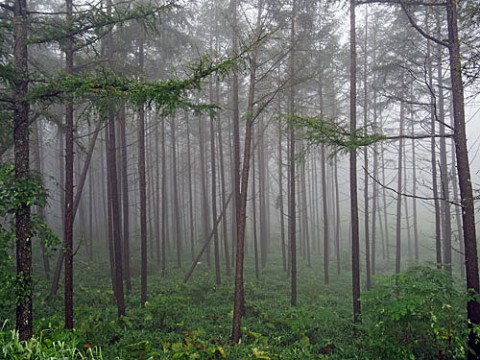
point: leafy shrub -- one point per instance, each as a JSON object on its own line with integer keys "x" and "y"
{"x": 415, "y": 315}
{"x": 45, "y": 348}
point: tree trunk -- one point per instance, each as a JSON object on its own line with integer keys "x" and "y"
{"x": 238, "y": 304}
{"x": 213, "y": 165}
{"x": 291, "y": 159}
{"x": 464, "y": 179}
{"x": 24, "y": 321}
{"x": 176, "y": 204}
{"x": 142, "y": 188}
{"x": 38, "y": 165}
{"x": 353, "y": 171}
{"x": 115, "y": 208}
{"x": 433, "y": 154}
{"x": 125, "y": 199}
{"x": 398, "y": 231}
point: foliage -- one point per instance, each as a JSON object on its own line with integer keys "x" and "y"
{"x": 44, "y": 348}
{"x": 193, "y": 321}
{"x": 104, "y": 87}
{"x": 319, "y": 130}
{"x": 14, "y": 194}
{"x": 415, "y": 315}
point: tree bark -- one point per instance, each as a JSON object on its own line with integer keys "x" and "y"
{"x": 24, "y": 320}
{"x": 353, "y": 171}
{"x": 142, "y": 188}
{"x": 464, "y": 179}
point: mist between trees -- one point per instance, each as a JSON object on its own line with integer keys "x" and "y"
{"x": 154, "y": 138}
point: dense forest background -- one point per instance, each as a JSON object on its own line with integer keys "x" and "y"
{"x": 322, "y": 145}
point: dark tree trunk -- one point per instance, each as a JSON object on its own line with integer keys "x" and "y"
{"x": 280, "y": 197}
{"x": 176, "y": 204}
{"x": 398, "y": 232}
{"x": 223, "y": 189}
{"x": 326, "y": 223}
{"x": 142, "y": 188}
{"x": 464, "y": 179}
{"x": 368, "y": 266}
{"x": 125, "y": 199}
{"x": 291, "y": 194}
{"x": 115, "y": 208}
{"x": 433, "y": 154}
{"x": 24, "y": 322}
{"x": 213, "y": 165}
{"x": 238, "y": 302}
{"x": 163, "y": 262}
{"x": 353, "y": 171}
{"x": 38, "y": 165}
{"x": 143, "y": 205}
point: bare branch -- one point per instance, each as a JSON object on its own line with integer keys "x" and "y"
{"x": 418, "y": 28}
{"x": 408, "y": 195}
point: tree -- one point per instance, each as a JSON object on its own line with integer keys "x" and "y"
{"x": 463, "y": 165}
{"x": 291, "y": 158}
{"x": 69, "y": 215}
{"x": 23, "y": 234}
{"x": 464, "y": 178}
{"x": 353, "y": 171}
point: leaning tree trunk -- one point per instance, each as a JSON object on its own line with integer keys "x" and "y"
{"x": 238, "y": 304}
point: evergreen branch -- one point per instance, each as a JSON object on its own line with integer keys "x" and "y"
{"x": 329, "y": 132}
{"x": 57, "y": 30}
{"x": 104, "y": 86}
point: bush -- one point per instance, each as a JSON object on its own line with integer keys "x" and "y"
{"x": 44, "y": 348}
{"x": 415, "y": 315}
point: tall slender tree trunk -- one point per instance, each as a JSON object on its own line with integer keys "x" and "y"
{"x": 190, "y": 192}
{"x": 125, "y": 198}
{"x": 398, "y": 231}
{"x": 205, "y": 218}
{"x": 280, "y": 197}
{"x": 223, "y": 188}
{"x": 444, "y": 181}
{"x": 262, "y": 197}
{"x": 353, "y": 171}
{"x": 176, "y": 204}
{"x": 24, "y": 319}
{"x": 163, "y": 245}
{"x": 38, "y": 165}
{"x": 366, "y": 183}
{"x": 213, "y": 165}
{"x": 69, "y": 216}
{"x": 433, "y": 154}
{"x": 238, "y": 304}
{"x": 291, "y": 158}
{"x": 414, "y": 194}
{"x": 326, "y": 223}
{"x": 254, "y": 215}
{"x": 115, "y": 208}
{"x": 464, "y": 179}
{"x": 142, "y": 187}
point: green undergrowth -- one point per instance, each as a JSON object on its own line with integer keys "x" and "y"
{"x": 416, "y": 315}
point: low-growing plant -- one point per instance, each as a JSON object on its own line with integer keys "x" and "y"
{"x": 414, "y": 315}
{"x": 43, "y": 347}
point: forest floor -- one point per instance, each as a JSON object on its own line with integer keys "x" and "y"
{"x": 422, "y": 318}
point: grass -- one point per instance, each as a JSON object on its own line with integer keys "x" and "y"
{"x": 193, "y": 321}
